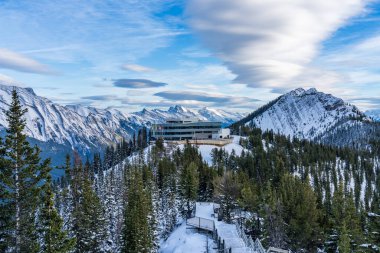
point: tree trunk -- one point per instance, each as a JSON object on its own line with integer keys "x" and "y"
{"x": 17, "y": 200}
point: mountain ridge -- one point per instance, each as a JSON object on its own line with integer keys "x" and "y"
{"x": 88, "y": 129}
{"x": 310, "y": 114}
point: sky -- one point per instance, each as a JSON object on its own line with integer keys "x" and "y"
{"x": 234, "y": 55}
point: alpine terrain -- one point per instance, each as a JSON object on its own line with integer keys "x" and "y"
{"x": 313, "y": 115}
{"x": 59, "y": 129}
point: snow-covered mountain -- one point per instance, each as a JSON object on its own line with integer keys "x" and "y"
{"x": 158, "y": 115}
{"x": 374, "y": 114}
{"x": 308, "y": 114}
{"x": 87, "y": 129}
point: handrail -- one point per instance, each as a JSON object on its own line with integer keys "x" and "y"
{"x": 254, "y": 246}
{"x": 259, "y": 247}
{"x": 198, "y": 223}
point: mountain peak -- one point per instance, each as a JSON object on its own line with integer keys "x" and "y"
{"x": 301, "y": 91}
{"x": 178, "y": 109}
{"x": 304, "y": 114}
{"x": 311, "y": 91}
{"x": 297, "y": 92}
{"x": 31, "y": 91}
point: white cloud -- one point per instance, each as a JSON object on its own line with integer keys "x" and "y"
{"x": 106, "y": 32}
{"x": 19, "y": 62}
{"x": 6, "y": 79}
{"x": 269, "y": 43}
{"x": 136, "y": 68}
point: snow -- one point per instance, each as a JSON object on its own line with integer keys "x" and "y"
{"x": 305, "y": 114}
{"x": 205, "y": 210}
{"x": 205, "y": 150}
{"x": 184, "y": 240}
{"x": 373, "y": 214}
{"x": 189, "y": 240}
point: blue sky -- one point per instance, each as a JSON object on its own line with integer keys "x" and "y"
{"x": 235, "y": 55}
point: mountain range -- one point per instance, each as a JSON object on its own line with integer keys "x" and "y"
{"x": 305, "y": 114}
{"x": 58, "y": 129}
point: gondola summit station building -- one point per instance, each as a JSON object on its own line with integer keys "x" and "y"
{"x": 178, "y": 129}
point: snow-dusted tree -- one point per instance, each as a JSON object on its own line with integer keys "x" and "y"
{"x": 21, "y": 178}
{"x": 138, "y": 233}
{"x": 88, "y": 213}
{"x": 188, "y": 188}
{"x": 54, "y": 239}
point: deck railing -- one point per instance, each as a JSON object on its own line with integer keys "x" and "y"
{"x": 254, "y": 246}
{"x": 201, "y": 223}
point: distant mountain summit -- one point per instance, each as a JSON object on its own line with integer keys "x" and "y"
{"x": 59, "y": 129}
{"x": 374, "y": 114}
{"x": 313, "y": 115}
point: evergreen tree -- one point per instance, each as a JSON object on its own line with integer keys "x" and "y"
{"x": 345, "y": 217}
{"x": 67, "y": 170}
{"x": 88, "y": 213}
{"x": 188, "y": 188}
{"x": 344, "y": 240}
{"x": 137, "y": 233}
{"x": 21, "y": 177}
{"x": 53, "y": 238}
{"x": 300, "y": 212}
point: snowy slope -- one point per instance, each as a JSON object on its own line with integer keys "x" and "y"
{"x": 87, "y": 128}
{"x": 305, "y": 114}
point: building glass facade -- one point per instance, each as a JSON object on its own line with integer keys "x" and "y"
{"x": 185, "y": 129}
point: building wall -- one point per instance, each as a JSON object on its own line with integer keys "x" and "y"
{"x": 187, "y": 130}
{"x": 223, "y": 133}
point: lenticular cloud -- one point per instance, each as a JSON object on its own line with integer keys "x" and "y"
{"x": 268, "y": 43}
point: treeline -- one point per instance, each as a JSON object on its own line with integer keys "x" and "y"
{"x": 309, "y": 195}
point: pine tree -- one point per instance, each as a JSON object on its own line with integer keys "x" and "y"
{"x": 137, "y": 232}
{"x": 53, "y": 238}
{"x": 67, "y": 169}
{"x": 300, "y": 212}
{"x": 188, "y": 188}
{"x": 345, "y": 216}
{"x": 21, "y": 177}
{"x": 344, "y": 240}
{"x": 88, "y": 213}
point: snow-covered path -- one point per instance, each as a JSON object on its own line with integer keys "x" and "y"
{"x": 184, "y": 240}
{"x": 226, "y": 232}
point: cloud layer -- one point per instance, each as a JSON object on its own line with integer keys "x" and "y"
{"x": 101, "y": 97}
{"x": 136, "y": 68}
{"x": 216, "y": 99}
{"x": 268, "y": 43}
{"x": 137, "y": 83}
{"x": 19, "y": 62}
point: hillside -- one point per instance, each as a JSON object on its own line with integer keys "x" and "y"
{"x": 313, "y": 115}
